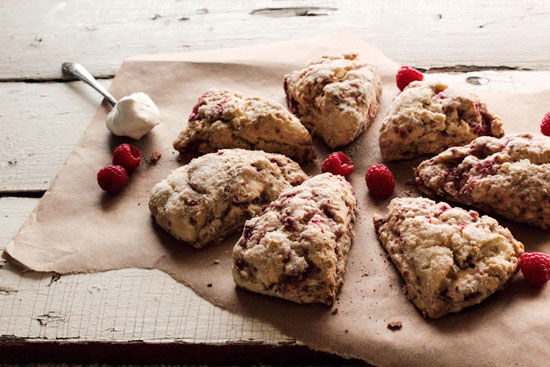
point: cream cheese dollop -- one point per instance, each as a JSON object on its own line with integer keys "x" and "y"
{"x": 133, "y": 116}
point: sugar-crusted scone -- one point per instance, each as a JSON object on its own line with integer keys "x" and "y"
{"x": 509, "y": 176}
{"x": 298, "y": 248}
{"x": 335, "y": 97}
{"x": 223, "y": 119}
{"x": 212, "y": 196}
{"x": 429, "y": 117}
{"x": 448, "y": 257}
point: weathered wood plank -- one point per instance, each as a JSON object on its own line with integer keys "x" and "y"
{"x": 100, "y": 34}
{"x": 41, "y": 122}
{"x": 125, "y": 305}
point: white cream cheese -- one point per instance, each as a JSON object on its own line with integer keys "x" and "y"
{"x": 134, "y": 116}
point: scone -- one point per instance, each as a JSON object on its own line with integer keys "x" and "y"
{"x": 448, "y": 257}
{"x": 211, "y": 197}
{"x": 508, "y": 176}
{"x": 429, "y": 117}
{"x": 298, "y": 248}
{"x": 335, "y": 97}
{"x": 223, "y": 119}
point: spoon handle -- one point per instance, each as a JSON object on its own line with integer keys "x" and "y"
{"x": 79, "y": 72}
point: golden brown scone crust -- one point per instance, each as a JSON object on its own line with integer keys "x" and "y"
{"x": 448, "y": 257}
{"x": 297, "y": 249}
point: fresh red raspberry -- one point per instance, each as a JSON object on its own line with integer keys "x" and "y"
{"x": 545, "y": 125}
{"x": 535, "y": 267}
{"x": 405, "y": 75}
{"x": 112, "y": 178}
{"x": 380, "y": 181}
{"x": 338, "y": 163}
{"x": 127, "y": 156}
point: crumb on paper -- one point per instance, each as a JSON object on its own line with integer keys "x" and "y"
{"x": 346, "y": 331}
{"x": 155, "y": 157}
{"x": 365, "y": 274}
{"x": 209, "y": 285}
{"x": 216, "y": 261}
{"x": 395, "y": 325}
{"x": 335, "y": 311}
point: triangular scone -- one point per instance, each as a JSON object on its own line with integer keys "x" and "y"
{"x": 223, "y": 119}
{"x": 212, "y": 196}
{"x": 509, "y": 176}
{"x": 298, "y": 248}
{"x": 335, "y": 97}
{"x": 429, "y": 117}
{"x": 448, "y": 257}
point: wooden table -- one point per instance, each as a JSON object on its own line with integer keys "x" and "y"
{"x": 144, "y": 315}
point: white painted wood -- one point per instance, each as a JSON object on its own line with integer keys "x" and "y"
{"x": 123, "y": 305}
{"x": 132, "y": 304}
{"x": 41, "y": 122}
{"x": 37, "y": 36}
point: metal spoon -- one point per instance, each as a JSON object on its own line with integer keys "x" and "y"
{"x": 79, "y": 72}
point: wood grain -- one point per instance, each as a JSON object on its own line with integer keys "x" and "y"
{"x": 41, "y": 122}
{"x": 124, "y": 306}
{"x": 101, "y": 33}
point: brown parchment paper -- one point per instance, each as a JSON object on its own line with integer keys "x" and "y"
{"x": 78, "y": 228}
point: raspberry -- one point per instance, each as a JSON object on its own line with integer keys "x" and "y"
{"x": 338, "y": 163}
{"x": 545, "y": 125}
{"x": 127, "y": 156}
{"x": 112, "y": 178}
{"x": 535, "y": 267}
{"x": 380, "y": 181}
{"x": 405, "y": 75}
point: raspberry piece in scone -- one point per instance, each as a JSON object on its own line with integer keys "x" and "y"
{"x": 298, "y": 248}
{"x": 336, "y": 98}
{"x": 429, "y": 117}
{"x": 210, "y": 198}
{"x": 223, "y": 119}
{"x": 449, "y": 258}
{"x": 509, "y": 176}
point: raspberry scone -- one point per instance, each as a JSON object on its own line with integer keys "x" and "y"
{"x": 429, "y": 117}
{"x": 335, "y": 97}
{"x": 298, "y": 248}
{"x": 211, "y": 197}
{"x": 448, "y": 257}
{"x": 509, "y": 176}
{"x": 223, "y": 119}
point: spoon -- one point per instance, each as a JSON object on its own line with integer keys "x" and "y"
{"x": 79, "y": 72}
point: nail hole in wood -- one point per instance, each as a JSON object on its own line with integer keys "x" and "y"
{"x": 477, "y": 80}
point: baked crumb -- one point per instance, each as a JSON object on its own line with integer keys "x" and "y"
{"x": 155, "y": 157}
{"x": 335, "y": 311}
{"x": 395, "y": 325}
{"x": 216, "y": 261}
{"x": 209, "y": 285}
